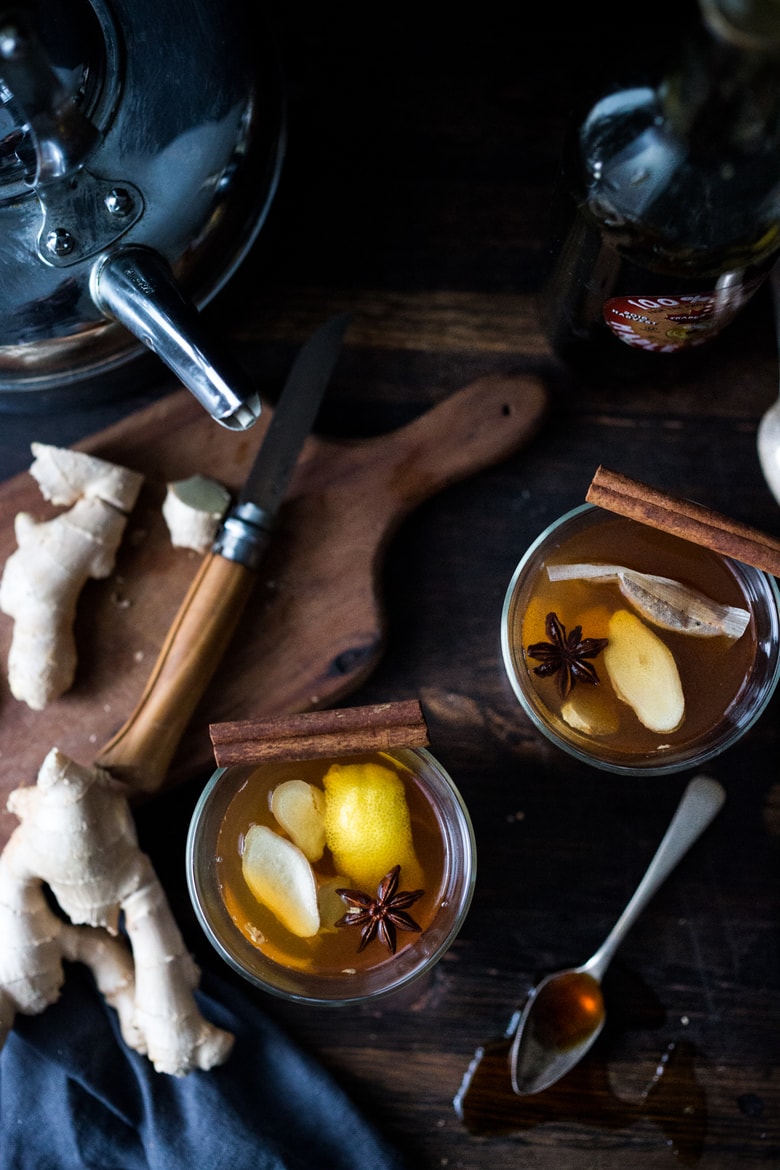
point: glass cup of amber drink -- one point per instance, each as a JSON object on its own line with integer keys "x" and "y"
{"x": 332, "y": 880}
{"x": 635, "y": 650}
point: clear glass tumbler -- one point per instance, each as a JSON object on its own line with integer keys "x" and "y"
{"x": 427, "y": 830}
{"x": 635, "y": 650}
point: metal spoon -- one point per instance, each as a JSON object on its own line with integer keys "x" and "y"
{"x": 768, "y": 437}
{"x": 565, "y": 1012}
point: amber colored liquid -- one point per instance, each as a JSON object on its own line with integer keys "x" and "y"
{"x": 713, "y": 671}
{"x": 332, "y": 950}
{"x": 567, "y": 1010}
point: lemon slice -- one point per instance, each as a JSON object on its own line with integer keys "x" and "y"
{"x": 280, "y": 877}
{"x": 367, "y": 824}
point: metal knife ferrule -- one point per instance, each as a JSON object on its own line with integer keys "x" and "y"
{"x": 244, "y": 534}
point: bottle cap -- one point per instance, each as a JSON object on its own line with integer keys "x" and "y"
{"x": 748, "y": 24}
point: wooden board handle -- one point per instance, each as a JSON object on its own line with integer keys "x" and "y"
{"x": 142, "y": 749}
{"x": 466, "y": 432}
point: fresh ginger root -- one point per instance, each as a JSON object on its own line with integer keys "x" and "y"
{"x": 43, "y": 578}
{"x": 77, "y": 836}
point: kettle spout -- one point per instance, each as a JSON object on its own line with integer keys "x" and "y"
{"x": 134, "y": 285}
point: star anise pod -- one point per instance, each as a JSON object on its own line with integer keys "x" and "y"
{"x": 383, "y": 915}
{"x": 565, "y": 655}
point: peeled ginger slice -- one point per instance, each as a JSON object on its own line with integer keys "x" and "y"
{"x": 591, "y": 711}
{"x": 367, "y": 824}
{"x": 643, "y": 673}
{"x": 280, "y": 877}
{"x": 332, "y": 905}
{"x": 193, "y": 509}
{"x": 299, "y": 809}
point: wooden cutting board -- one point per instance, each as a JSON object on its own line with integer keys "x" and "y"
{"x": 314, "y": 627}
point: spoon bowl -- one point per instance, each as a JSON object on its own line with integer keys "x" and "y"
{"x": 565, "y": 1013}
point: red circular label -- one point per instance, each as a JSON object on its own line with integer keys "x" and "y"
{"x": 669, "y": 323}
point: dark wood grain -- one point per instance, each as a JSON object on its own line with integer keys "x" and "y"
{"x": 313, "y": 626}
{"x": 416, "y": 193}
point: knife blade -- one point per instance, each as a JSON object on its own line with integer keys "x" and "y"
{"x": 244, "y": 534}
{"x": 141, "y": 751}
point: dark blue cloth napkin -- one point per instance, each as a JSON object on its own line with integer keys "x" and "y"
{"x": 74, "y": 1097}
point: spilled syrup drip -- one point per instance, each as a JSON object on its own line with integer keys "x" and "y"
{"x": 673, "y": 1099}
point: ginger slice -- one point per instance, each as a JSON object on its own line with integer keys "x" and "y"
{"x": 193, "y": 509}
{"x": 299, "y": 808}
{"x": 643, "y": 673}
{"x": 331, "y": 904}
{"x": 280, "y": 877}
{"x": 589, "y": 710}
{"x": 665, "y": 602}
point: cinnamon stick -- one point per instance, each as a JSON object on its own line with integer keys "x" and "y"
{"x": 684, "y": 518}
{"x": 316, "y": 734}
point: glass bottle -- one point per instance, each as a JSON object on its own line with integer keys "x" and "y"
{"x": 669, "y": 201}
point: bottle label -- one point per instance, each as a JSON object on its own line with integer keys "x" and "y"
{"x": 670, "y": 323}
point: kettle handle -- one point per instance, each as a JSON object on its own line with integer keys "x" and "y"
{"x": 136, "y": 287}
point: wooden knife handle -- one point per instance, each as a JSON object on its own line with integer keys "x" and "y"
{"x": 141, "y": 751}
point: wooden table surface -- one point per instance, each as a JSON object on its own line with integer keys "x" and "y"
{"x": 415, "y": 194}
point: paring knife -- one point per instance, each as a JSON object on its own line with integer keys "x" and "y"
{"x": 141, "y": 751}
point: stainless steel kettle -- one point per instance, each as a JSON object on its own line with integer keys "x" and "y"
{"x": 140, "y": 150}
